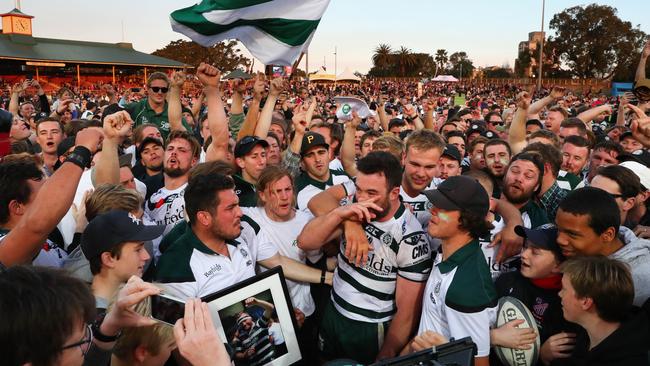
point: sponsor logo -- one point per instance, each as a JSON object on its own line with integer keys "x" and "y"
{"x": 243, "y": 252}
{"x": 436, "y": 290}
{"x": 213, "y": 270}
{"x": 378, "y": 266}
{"x": 420, "y": 250}
{"x": 433, "y": 298}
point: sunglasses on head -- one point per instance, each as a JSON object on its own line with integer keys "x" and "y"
{"x": 158, "y": 89}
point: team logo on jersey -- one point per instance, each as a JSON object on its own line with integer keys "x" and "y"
{"x": 386, "y": 239}
{"x": 540, "y": 307}
{"x": 243, "y": 252}
{"x": 433, "y": 298}
{"x": 294, "y": 243}
{"x": 436, "y": 289}
{"x": 134, "y": 219}
{"x": 428, "y": 205}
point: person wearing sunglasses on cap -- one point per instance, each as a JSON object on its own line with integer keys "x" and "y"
{"x": 155, "y": 107}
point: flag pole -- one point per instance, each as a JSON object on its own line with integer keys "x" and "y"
{"x": 295, "y": 65}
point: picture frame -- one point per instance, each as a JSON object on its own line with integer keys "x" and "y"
{"x": 256, "y": 318}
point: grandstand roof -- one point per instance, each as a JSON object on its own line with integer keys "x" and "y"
{"x": 22, "y": 47}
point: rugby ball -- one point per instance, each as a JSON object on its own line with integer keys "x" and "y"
{"x": 509, "y": 309}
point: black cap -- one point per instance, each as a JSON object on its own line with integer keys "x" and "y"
{"x": 451, "y": 151}
{"x": 490, "y": 135}
{"x": 625, "y": 135}
{"x": 460, "y": 193}
{"x": 640, "y": 156}
{"x": 114, "y": 227}
{"x": 544, "y": 237}
{"x": 312, "y": 139}
{"x": 149, "y": 140}
{"x": 247, "y": 143}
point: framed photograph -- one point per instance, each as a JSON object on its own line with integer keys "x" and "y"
{"x": 256, "y": 319}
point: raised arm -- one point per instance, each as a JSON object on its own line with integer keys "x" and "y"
{"x": 347, "y": 146}
{"x": 174, "y": 107}
{"x": 517, "y": 134}
{"x": 511, "y": 243}
{"x": 250, "y": 123}
{"x": 264, "y": 123}
{"x": 412, "y": 113}
{"x": 210, "y": 77}
{"x": 116, "y": 128}
{"x": 197, "y": 102}
{"x": 620, "y": 113}
{"x": 429, "y": 107}
{"x": 14, "y": 103}
{"x": 588, "y": 115}
{"x": 44, "y": 104}
{"x": 381, "y": 113}
{"x": 239, "y": 88}
{"x": 640, "y": 69}
{"x": 50, "y": 205}
{"x": 555, "y": 94}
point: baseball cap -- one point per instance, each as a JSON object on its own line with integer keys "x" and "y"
{"x": 109, "y": 229}
{"x": 451, "y": 151}
{"x": 312, "y": 139}
{"x": 544, "y": 237}
{"x": 247, "y": 143}
{"x": 40, "y": 115}
{"x": 65, "y": 145}
{"x": 490, "y": 135}
{"x": 149, "y": 140}
{"x": 640, "y": 156}
{"x": 641, "y": 171}
{"x": 460, "y": 193}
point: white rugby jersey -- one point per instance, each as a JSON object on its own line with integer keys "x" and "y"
{"x": 460, "y": 299}
{"x": 284, "y": 235}
{"x": 399, "y": 249}
{"x": 166, "y": 207}
{"x": 188, "y": 268}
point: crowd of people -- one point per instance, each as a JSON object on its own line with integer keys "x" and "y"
{"x": 398, "y": 223}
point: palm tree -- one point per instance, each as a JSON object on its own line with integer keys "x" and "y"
{"x": 383, "y": 56}
{"x": 441, "y": 59}
{"x": 405, "y": 60}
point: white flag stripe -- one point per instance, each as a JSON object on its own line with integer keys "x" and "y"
{"x": 284, "y": 9}
{"x": 263, "y": 46}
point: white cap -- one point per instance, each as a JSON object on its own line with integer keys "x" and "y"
{"x": 348, "y": 104}
{"x": 641, "y": 171}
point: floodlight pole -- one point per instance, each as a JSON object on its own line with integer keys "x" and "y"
{"x": 541, "y": 50}
{"x": 335, "y": 65}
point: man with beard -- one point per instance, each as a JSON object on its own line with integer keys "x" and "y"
{"x": 497, "y": 155}
{"x": 166, "y": 206}
{"x": 374, "y": 308}
{"x": 522, "y": 183}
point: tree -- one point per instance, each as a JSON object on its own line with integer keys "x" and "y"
{"x": 594, "y": 42}
{"x": 405, "y": 60}
{"x": 382, "y": 57}
{"x": 441, "y": 59}
{"x": 460, "y": 61}
{"x": 224, "y": 55}
{"x": 497, "y": 73}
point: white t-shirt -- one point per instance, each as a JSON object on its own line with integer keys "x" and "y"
{"x": 284, "y": 235}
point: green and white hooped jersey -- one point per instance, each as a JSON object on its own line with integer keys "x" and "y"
{"x": 399, "y": 249}
{"x": 568, "y": 181}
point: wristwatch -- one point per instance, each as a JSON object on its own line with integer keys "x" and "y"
{"x": 98, "y": 335}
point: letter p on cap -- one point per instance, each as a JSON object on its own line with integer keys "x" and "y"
{"x": 309, "y": 139}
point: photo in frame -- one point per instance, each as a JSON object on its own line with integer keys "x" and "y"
{"x": 256, "y": 318}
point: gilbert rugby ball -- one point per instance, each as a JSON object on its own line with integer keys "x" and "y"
{"x": 510, "y": 309}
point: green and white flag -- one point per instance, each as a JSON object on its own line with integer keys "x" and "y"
{"x": 274, "y": 31}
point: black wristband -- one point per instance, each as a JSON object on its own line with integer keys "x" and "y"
{"x": 322, "y": 277}
{"x": 80, "y": 156}
{"x": 98, "y": 335}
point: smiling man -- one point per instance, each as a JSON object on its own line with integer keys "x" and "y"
{"x": 588, "y": 223}
{"x": 522, "y": 183}
{"x": 113, "y": 243}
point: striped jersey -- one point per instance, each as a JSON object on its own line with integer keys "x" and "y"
{"x": 307, "y": 187}
{"x": 399, "y": 248}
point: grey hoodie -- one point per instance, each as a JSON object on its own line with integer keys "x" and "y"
{"x": 636, "y": 253}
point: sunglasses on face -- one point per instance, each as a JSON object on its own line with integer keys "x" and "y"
{"x": 497, "y": 123}
{"x": 158, "y": 89}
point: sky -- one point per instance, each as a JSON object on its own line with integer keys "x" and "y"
{"x": 489, "y": 31}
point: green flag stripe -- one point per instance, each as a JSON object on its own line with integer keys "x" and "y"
{"x": 288, "y": 31}
{"x": 209, "y": 5}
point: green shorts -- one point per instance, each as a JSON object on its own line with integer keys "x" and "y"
{"x": 340, "y": 337}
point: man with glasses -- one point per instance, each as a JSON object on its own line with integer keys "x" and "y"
{"x": 154, "y": 108}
